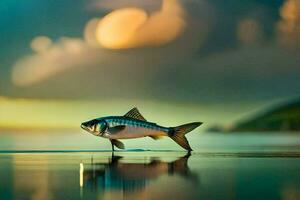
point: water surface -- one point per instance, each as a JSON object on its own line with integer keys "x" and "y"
{"x": 221, "y": 167}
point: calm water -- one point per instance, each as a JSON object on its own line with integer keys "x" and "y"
{"x": 221, "y": 167}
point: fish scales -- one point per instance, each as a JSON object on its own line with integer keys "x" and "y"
{"x": 135, "y": 128}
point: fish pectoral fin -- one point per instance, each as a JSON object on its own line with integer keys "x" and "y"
{"x": 117, "y": 143}
{"x": 116, "y": 129}
{"x": 156, "y": 137}
{"x": 135, "y": 114}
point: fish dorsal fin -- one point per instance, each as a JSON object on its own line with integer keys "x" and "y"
{"x": 135, "y": 113}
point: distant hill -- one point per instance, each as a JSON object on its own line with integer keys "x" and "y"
{"x": 285, "y": 117}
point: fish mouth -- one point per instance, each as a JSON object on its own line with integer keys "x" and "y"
{"x": 84, "y": 127}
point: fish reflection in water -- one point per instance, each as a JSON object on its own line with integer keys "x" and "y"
{"x": 117, "y": 175}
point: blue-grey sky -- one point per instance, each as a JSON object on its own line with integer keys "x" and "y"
{"x": 224, "y": 50}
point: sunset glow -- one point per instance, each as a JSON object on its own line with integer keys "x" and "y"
{"x": 132, "y": 27}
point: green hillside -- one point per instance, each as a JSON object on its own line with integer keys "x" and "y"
{"x": 284, "y": 117}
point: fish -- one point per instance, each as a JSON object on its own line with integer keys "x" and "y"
{"x": 134, "y": 125}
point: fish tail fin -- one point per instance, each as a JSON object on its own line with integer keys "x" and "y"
{"x": 178, "y": 134}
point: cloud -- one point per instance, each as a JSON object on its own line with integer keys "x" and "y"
{"x": 289, "y": 26}
{"x": 40, "y": 44}
{"x": 90, "y": 33}
{"x": 125, "y": 28}
{"x": 185, "y": 69}
{"x": 132, "y": 27}
{"x": 49, "y": 59}
{"x": 247, "y": 72}
{"x": 249, "y": 31}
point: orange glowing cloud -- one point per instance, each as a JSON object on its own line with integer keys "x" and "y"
{"x": 90, "y": 33}
{"x": 121, "y": 29}
{"x": 289, "y": 25}
{"x": 133, "y": 27}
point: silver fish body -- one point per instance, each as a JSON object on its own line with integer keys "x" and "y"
{"x": 134, "y": 125}
{"x": 133, "y": 128}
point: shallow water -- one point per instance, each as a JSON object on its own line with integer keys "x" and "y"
{"x": 220, "y": 167}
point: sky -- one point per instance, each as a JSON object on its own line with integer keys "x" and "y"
{"x": 177, "y": 51}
